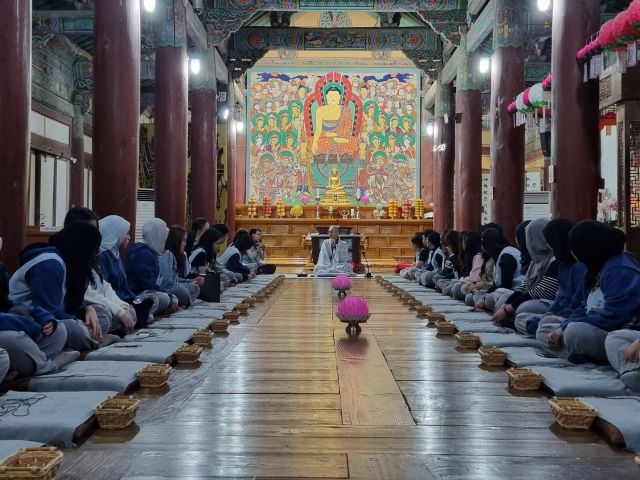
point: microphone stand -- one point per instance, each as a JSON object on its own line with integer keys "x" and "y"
{"x": 368, "y": 274}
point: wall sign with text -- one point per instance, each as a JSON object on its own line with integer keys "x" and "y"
{"x": 440, "y": 148}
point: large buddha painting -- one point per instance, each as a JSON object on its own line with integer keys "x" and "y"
{"x": 307, "y": 129}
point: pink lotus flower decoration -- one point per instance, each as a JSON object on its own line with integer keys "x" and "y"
{"x": 353, "y": 308}
{"x": 305, "y": 199}
{"x": 634, "y": 14}
{"x": 342, "y": 281}
{"x": 512, "y": 108}
{"x": 364, "y": 199}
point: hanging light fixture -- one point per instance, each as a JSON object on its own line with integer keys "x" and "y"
{"x": 195, "y": 66}
{"x": 543, "y": 5}
{"x": 240, "y": 126}
{"x": 484, "y": 65}
{"x": 149, "y": 5}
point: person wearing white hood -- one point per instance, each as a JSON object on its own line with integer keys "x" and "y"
{"x": 142, "y": 265}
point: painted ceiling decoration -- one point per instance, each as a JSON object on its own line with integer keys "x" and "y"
{"x": 229, "y": 15}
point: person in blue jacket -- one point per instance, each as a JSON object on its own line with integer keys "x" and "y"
{"x": 570, "y": 281}
{"x": 31, "y": 342}
{"x": 142, "y": 266}
{"x": 55, "y": 276}
{"x": 610, "y": 293}
{"x": 115, "y": 236}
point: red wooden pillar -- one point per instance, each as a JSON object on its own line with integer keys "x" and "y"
{"x": 468, "y": 142}
{"x": 116, "y": 108}
{"x": 204, "y": 132}
{"x": 426, "y": 160}
{"x": 575, "y": 137}
{"x": 231, "y": 157}
{"x": 76, "y": 171}
{"x": 444, "y": 157}
{"x": 171, "y": 120}
{"x": 15, "y": 107}
{"x": 507, "y": 141}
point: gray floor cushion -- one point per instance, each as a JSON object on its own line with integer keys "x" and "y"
{"x": 468, "y": 317}
{"x": 89, "y": 376}
{"x": 479, "y": 327}
{"x": 159, "y": 335}
{"x": 189, "y": 324}
{"x": 201, "y": 313}
{"x": 455, "y": 308}
{"x": 9, "y": 447}
{"x": 446, "y": 301}
{"x": 222, "y": 306}
{"x": 50, "y": 418}
{"x": 528, "y": 357}
{"x": 506, "y": 340}
{"x": 582, "y": 380}
{"x": 623, "y": 413}
{"x": 152, "y": 352}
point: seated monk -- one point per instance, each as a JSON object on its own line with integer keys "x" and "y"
{"x": 333, "y": 255}
{"x": 332, "y": 124}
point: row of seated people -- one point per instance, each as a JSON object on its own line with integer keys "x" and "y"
{"x": 572, "y": 287}
{"x": 75, "y": 293}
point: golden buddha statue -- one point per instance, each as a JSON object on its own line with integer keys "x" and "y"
{"x": 335, "y": 193}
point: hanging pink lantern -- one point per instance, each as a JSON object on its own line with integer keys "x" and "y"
{"x": 634, "y": 15}
{"x": 623, "y": 30}
{"x": 607, "y": 37}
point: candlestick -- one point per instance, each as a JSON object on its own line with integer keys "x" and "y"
{"x": 317, "y": 205}
{"x": 317, "y": 193}
{"x": 353, "y": 212}
{"x": 358, "y": 209}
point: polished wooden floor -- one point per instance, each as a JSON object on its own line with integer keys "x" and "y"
{"x": 287, "y": 394}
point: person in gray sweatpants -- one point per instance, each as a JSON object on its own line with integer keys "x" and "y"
{"x": 622, "y": 348}
{"x": 579, "y": 338}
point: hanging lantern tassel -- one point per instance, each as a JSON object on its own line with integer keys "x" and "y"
{"x": 632, "y": 53}
{"x": 621, "y": 60}
{"x": 529, "y": 120}
{"x": 543, "y": 125}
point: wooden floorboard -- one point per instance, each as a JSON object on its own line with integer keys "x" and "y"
{"x": 287, "y": 394}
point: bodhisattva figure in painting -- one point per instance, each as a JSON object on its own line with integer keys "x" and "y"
{"x": 332, "y": 125}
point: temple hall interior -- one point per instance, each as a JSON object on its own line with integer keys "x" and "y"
{"x": 338, "y": 239}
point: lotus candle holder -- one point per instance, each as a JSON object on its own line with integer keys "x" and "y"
{"x": 342, "y": 284}
{"x": 353, "y": 310}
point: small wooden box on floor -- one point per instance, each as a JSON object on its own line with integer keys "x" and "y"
{"x": 285, "y": 237}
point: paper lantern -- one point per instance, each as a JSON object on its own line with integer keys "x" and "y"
{"x": 623, "y": 30}
{"x": 538, "y": 97}
{"x": 606, "y": 36}
{"x": 634, "y": 14}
